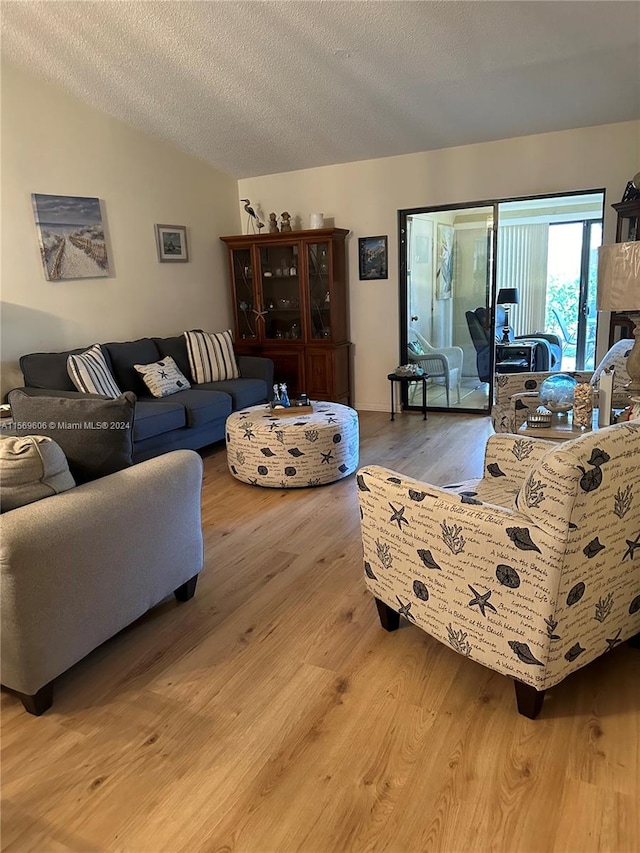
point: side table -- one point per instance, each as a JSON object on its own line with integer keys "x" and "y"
{"x": 515, "y": 357}
{"x": 406, "y": 380}
{"x": 561, "y": 428}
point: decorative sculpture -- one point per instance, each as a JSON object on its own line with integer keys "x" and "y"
{"x": 286, "y": 224}
{"x": 253, "y": 218}
{"x": 273, "y": 224}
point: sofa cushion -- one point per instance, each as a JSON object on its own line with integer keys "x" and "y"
{"x": 156, "y": 417}
{"x": 95, "y": 434}
{"x": 32, "y": 467}
{"x": 163, "y": 378}
{"x": 124, "y": 355}
{"x": 177, "y": 349}
{"x": 203, "y": 406}
{"x": 243, "y": 392}
{"x": 49, "y": 369}
{"x": 90, "y": 373}
{"x": 211, "y": 356}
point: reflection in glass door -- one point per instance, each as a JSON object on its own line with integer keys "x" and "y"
{"x": 448, "y": 260}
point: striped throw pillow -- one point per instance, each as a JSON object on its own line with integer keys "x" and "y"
{"x": 90, "y": 374}
{"x": 211, "y": 356}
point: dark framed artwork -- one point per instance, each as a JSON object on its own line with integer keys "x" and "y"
{"x": 372, "y": 254}
{"x": 172, "y": 243}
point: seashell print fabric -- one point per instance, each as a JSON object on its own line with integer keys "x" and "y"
{"x": 292, "y": 451}
{"x": 534, "y": 570}
{"x": 516, "y": 394}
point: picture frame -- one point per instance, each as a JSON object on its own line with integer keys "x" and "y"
{"x": 444, "y": 270}
{"x": 372, "y": 255}
{"x": 71, "y": 236}
{"x": 172, "y": 245}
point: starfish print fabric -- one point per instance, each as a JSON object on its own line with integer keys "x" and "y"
{"x": 533, "y": 570}
{"x": 285, "y": 451}
{"x": 163, "y": 378}
{"x": 516, "y": 394}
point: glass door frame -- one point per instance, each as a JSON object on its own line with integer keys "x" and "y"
{"x": 403, "y": 288}
{"x": 403, "y": 237}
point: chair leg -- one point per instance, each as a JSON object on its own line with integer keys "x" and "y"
{"x": 39, "y": 702}
{"x": 187, "y": 590}
{"x": 528, "y": 699}
{"x": 389, "y": 619}
{"x": 634, "y": 641}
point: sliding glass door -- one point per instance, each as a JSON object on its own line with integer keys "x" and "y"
{"x": 545, "y": 252}
{"x": 448, "y": 329}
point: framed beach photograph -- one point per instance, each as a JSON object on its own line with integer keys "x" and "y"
{"x": 444, "y": 254}
{"x": 71, "y": 236}
{"x": 372, "y": 253}
{"x": 172, "y": 243}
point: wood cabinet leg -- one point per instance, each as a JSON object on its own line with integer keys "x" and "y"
{"x": 39, "y": 702}
{"x": 187, "y": 590}
{"x": 528, "y": 699}
{"x": 389, "y": 619}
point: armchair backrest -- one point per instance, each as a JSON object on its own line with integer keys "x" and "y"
{"x": 584, "y": 501}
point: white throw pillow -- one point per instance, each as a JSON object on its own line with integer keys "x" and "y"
{"x": 163, "y": 377}
{"x": 90, "y": 374}
{"x": 31, "y": 467}
{"x": 211, "y": 356}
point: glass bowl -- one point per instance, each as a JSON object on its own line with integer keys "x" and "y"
{"x": 557, "y": 392}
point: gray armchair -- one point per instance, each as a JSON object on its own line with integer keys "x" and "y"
{"x": 79, "y": 566}
{"x": 438, "y": 362}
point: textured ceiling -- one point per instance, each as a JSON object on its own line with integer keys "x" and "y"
{"x": 261, "y": 87}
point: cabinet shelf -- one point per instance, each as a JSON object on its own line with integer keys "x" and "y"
{"x": 317, "y": 360}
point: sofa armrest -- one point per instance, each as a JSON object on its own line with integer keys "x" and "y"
{"x": 78, "y": 567}
{"x": 256, "y": 367}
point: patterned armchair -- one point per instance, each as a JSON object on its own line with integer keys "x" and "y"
{"x": 517, "y": 393}
{"x": 533, "y": 571}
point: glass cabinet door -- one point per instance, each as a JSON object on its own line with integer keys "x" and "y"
{"x": 243, "y": 290}
{"x": 281, "y": 304}
{"x": 319, "y": 290}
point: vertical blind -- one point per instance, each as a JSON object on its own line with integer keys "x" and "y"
{"x": 522, "y": 263}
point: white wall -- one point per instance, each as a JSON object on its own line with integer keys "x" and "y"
{"x": 52, "y": 143}
{"x": 366, "y": 196}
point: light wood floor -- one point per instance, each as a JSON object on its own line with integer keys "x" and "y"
{"x": 272, "y": 713}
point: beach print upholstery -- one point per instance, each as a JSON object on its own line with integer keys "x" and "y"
{"x": 265, "y": 448}
{"x": 516, "y": 394}
{"x": 534, "y": 570}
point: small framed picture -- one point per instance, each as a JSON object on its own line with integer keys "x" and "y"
{"x": 372, "y": 253}
{"x": 172, "y": 243}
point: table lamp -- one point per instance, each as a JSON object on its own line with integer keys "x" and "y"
{"x": 507, "y": 296}
{"x": 619, "y": 290}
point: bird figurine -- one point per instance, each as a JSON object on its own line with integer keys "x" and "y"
{"x": 253, "y": 218}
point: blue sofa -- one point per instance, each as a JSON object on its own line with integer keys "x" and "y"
{"x": 189, "y": 419}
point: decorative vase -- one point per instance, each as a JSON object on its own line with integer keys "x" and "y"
{"x": 316, "y": 220}
{"x": 583, "y": 405}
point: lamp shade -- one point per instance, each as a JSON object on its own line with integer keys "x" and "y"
{"x": 508, "y": 296}
{"x": 619, "y": 277}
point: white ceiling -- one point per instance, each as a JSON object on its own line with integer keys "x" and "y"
{"x": 262, "y": 87}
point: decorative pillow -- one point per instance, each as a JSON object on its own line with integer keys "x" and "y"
{"x": 415, "y": 347}
{"x": 31, "y": 467}
{"x": 211, "y": 356}
{"x": 89, "y": 373}
{"x": 96, "y": 435}
{"x": 163, "y": 378}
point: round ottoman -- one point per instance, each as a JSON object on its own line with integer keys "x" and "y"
{"x": 291, "y": 451}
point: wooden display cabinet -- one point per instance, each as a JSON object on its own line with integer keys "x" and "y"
{"x": 290, "y": 302}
